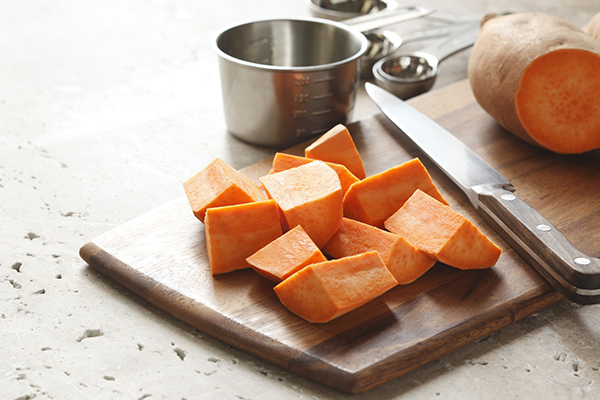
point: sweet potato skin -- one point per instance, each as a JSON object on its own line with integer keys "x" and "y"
{"x": 592, "y": 28}
{"x": 505, "y": 48}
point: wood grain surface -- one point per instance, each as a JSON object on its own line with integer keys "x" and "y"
{"x": 161, "y": 257}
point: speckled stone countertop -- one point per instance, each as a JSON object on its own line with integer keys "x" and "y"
{"x": 105, "y": 108}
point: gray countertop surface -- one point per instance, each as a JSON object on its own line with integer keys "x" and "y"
{"x": 105, "y": 108}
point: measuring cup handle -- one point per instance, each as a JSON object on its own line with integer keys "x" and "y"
{"x": 455, "y": 42}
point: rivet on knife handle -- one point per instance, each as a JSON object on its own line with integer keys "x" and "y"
{"x": 574, "y": 274}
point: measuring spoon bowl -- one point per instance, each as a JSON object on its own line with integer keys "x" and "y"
{"x": 340, "y": 10}
{"x": 406, "y": 76}
{"x": 381, "y": 44}
{"x": 411, "y": 74}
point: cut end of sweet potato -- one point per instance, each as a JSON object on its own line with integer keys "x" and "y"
{"x": 324, "y": 291}
{"x": 558, "y": 100}
{"x": 443, "y": 234}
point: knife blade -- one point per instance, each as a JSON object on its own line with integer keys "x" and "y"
{"x": 541, "y": 244}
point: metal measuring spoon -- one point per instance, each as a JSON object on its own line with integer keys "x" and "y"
{"x": 342, "y": 9}
{"x": 411, "y": 74}
{"x": 384, "y": 43}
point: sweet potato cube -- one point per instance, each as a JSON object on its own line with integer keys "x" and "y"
{"x": 219, "y": 184}
{"x": 286, "y": 255}
{"x": 310, "y": 196}
{"x": 235, "y": 232}
{"x": 283, "y": 161}
{"x": 324, "y": 291}
{"x": 442, "y": 233}
{"x": 374, "y": 199}
{"x": 337, "y": 146}
{"x": 403, "y": 260}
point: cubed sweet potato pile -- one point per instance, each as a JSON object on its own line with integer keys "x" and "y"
{"x": 330, "y": 237}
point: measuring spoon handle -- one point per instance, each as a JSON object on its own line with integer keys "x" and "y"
{"x": 429, "y": 33}
{"x": 460, "y": 40}
{"x": 368, "y": 22}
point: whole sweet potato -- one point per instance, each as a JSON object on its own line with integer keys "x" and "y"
{"x": 537, "y": 75}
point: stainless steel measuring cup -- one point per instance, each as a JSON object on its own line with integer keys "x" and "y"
{"x": 285, "y": 80}
{"x": 411, "y": 74}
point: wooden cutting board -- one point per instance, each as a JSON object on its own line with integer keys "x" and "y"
{"x": 161, "y": 257}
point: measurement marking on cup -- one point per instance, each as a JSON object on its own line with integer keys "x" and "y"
{"x": 301, "y": 98}
{"x": 326, "y": 79}
{"x": 301, "y": 132}
{"x": 300, "y": 114}
{"x": 322, "y": 96}
{"x": 302, "y": 80}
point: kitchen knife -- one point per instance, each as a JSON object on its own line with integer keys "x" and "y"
{"x": 549, "y": 252}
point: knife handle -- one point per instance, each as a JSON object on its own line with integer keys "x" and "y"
{"x": 574, "y": 274}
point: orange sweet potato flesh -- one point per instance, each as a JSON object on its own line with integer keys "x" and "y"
{"x": 324, "y": 291}
{"x": 219, "y": 184}
{"x": 443, "y": 234}
{"x": 373, "y": 199}
{"x": 337, "y": 146}
{"x": 537, "y": 75}
{"x": 233, "y": 233}
{"x": 309, "y": 195}
{"x": 286, "y": 255}
{"x": 562, "y": 114}
{"x": 403, "y": 260}
{"x": 283, "y": 161}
